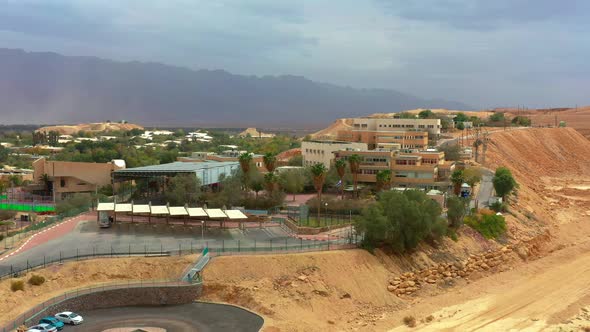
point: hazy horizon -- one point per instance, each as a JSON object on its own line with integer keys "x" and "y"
{"x": 485, "y": 54}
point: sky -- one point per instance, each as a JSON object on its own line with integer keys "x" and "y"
{"x": 499, "y": 53}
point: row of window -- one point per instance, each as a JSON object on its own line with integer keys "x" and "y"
{"x": 315, "y": 151}
{"x": 406, "y": 126}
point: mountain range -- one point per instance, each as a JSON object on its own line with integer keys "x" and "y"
{"x": 41, "y": 87}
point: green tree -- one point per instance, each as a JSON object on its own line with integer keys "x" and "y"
{"x": 183, "y": 189}
{"x": 245, "y": 160}
{"x": 461, "y": 117}
{"x": 456, "y": 209}
{"x": 354, "y": 161}
{"x": 293, "y": 181}
{"x": 255, "y": 180}
{"x": 296, "y": 161}
{"x": 405, "y": 115}
{"x": 270, "y": 161}
{"x": 504, "y": 182}
{"x": 401, "y": 220}
{"x": 522, "y": 121}
{"x": 460, "y": 126}
{"x": 271, "y": 181}
{"x": 318, "y": 171}
{"x": 457, "y": 178}
{"x": 452, "y": 151}
{"x": 472, "y": 176}
{"x": 383, "y": 178}
{"x": 426, "y": 114}
{"x": 340, "y": 165}
{"x": 497, "y": 117}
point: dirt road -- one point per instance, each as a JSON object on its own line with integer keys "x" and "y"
{"x": 531, "y": 298}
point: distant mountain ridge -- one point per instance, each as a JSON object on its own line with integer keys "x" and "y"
{"x": 51, "y": 88}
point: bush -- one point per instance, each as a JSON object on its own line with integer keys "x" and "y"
{"x": 36, "y": 280}
{"x": 490, "y": 226}
{"x": 498, "y": 207}
{"x": 17, "y": 285}
{"x": 410, "y": 321}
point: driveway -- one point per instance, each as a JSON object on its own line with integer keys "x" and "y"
{"x": 202, "y": 317}
{"x": 486, "y": 189}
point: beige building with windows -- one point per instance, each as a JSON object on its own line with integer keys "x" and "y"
{"x": 322, "y": 152}
{"x": 432, "y": 126}
{"x": 69, "y": 178}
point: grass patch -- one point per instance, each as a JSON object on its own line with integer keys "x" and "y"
{"x": 36, "y": 280}
{"x": 490, "y": 226}
{"x": 17, "y": 285}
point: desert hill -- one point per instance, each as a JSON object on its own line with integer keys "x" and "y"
{"x": 90, "y": 127}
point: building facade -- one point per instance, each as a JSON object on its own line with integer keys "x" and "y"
{"x": 322, "y": 152}
{"x": 68, "y": 178}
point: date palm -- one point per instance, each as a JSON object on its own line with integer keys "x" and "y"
{"x": 245, "y": 159}
{"x": 270, "y": 162}
{"x": 383, "y": 179}
{"x": 457, "y": 178}
{"x": 318, "y": 171}
{"x": 340, "y": 165}
{"x": 271, "y": 180}
{"x": 354, "y": 161}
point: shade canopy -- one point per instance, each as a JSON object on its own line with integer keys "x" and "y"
{"x": 215, "y": 213}
{"x": 178, "y": 211}
{"x": 197, "y": 212}
{"x": 235, "y": 214}
{"x": 105, "y": 207}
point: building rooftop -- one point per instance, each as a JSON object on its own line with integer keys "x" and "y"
{"x": 178, "y": 167}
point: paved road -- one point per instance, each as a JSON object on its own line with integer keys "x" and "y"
{"x": 88, "y": 239}
{"x": 202, "y": 317}
{"x": 486, "y": 189}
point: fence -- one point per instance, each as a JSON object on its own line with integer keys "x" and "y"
{"x": 31, "y": 315}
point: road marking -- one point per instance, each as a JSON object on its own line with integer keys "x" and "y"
{"x": 34, "y": 235}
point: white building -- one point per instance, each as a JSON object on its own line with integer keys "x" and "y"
{"x": 322, "y": 152}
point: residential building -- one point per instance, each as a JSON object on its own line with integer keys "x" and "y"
{"x": 254, "y": 133}
{"x": 322, "y": 152}
{"x": 69, "y": 178}
{"x": 7, "y": 172}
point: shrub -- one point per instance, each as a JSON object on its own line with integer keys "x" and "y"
{"x": 17, "y": 285}
{"x": 429, "y": 319}
{"x": 452, "y": 234}
{"x": 410, "y": 321}
{"x": 490, "y": 226}
{"x": 498, "y": 207}
{"x": 36, "y": 280}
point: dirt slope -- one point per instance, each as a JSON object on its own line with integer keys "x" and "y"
{"x": 72, "y": 275}
{"x": 331, "y": 131}
{"x": 90, "y": 127}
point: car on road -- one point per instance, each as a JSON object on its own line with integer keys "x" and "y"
{"x": 59, "y": 325}
{"x": 68, "y": 317}
{"x": 42, "y": 328}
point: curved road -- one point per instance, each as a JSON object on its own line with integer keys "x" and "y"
{"x": 198, "y": 316}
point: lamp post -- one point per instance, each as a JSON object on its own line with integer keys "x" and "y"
{"x": 326, "y": 214}
{"x": 202, "y": 226}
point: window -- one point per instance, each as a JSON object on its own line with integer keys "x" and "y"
{"x": 430, "y": 126}
{"x": 62, "y": 183}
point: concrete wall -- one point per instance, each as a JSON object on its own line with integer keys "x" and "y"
{"x": 139, "y": 296}
{"x": 322, "y": 152}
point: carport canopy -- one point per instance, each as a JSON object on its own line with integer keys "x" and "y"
{"x": 123, "y": 208}
{"x": 196, "y": 212}
{"x": 141, "y": 208}
{"x": 235, "y": 214}
{"x": 215, "y": 213}
{"x": 105, "y": 207}
{"x": 160, "y": 209}
{"x": 178, "y": 211}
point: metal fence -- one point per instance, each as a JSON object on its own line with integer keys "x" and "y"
{"x": 31, "y": 315}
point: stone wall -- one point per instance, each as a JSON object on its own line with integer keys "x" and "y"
{"x": 139, "y": 296}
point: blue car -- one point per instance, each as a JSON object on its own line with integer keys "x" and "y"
{"x": 53, "y": 322}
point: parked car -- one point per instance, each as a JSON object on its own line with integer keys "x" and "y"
{"x": 42, "y": 328}
{"x": 68, "y": 317}
{"x": 53, "y": 322}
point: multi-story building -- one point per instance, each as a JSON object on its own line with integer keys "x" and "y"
{"x": 418, "y": 169}
{"x": 322, "y": 152}
{"x": 67, "y": 178}
{"x": 387, "y": 139}
{"x": 432, "y": 126}
{"x": 227, "y": 155}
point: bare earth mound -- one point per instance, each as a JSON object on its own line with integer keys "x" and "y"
{"x": 72, "y": 275}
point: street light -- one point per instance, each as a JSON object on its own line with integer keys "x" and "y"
{"x": 326, "y": 214}
{"x": 202, "y": 226}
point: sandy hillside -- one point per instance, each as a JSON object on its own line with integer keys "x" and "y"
{"x": 72, "y": 275}
{"x": 332, "y": 130}
{"x": 539, "y": 284}
{"x": 91, "y": 127}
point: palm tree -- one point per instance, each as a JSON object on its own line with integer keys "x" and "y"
{"x": 383, "y": 179}
{"x": 476, "y": 145}
{"x": 270, "y": 162}
{"x": 319, "y": 176}
{"x": 245, "y": 160}
{"x": 271, "y": 181}
{"x": 354, "y": 161}
{"x": 457, "y": 178}
{"x": 340, "y": 165}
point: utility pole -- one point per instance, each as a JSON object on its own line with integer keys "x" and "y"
{"x": 485, "y": 146}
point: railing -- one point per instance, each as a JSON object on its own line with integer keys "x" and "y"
{"x": 34, "y": 313}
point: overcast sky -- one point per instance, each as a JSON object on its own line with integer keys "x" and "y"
{"x": 484, "y": 53}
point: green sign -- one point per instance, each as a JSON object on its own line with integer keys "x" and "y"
{"x": 205, "y": 251}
